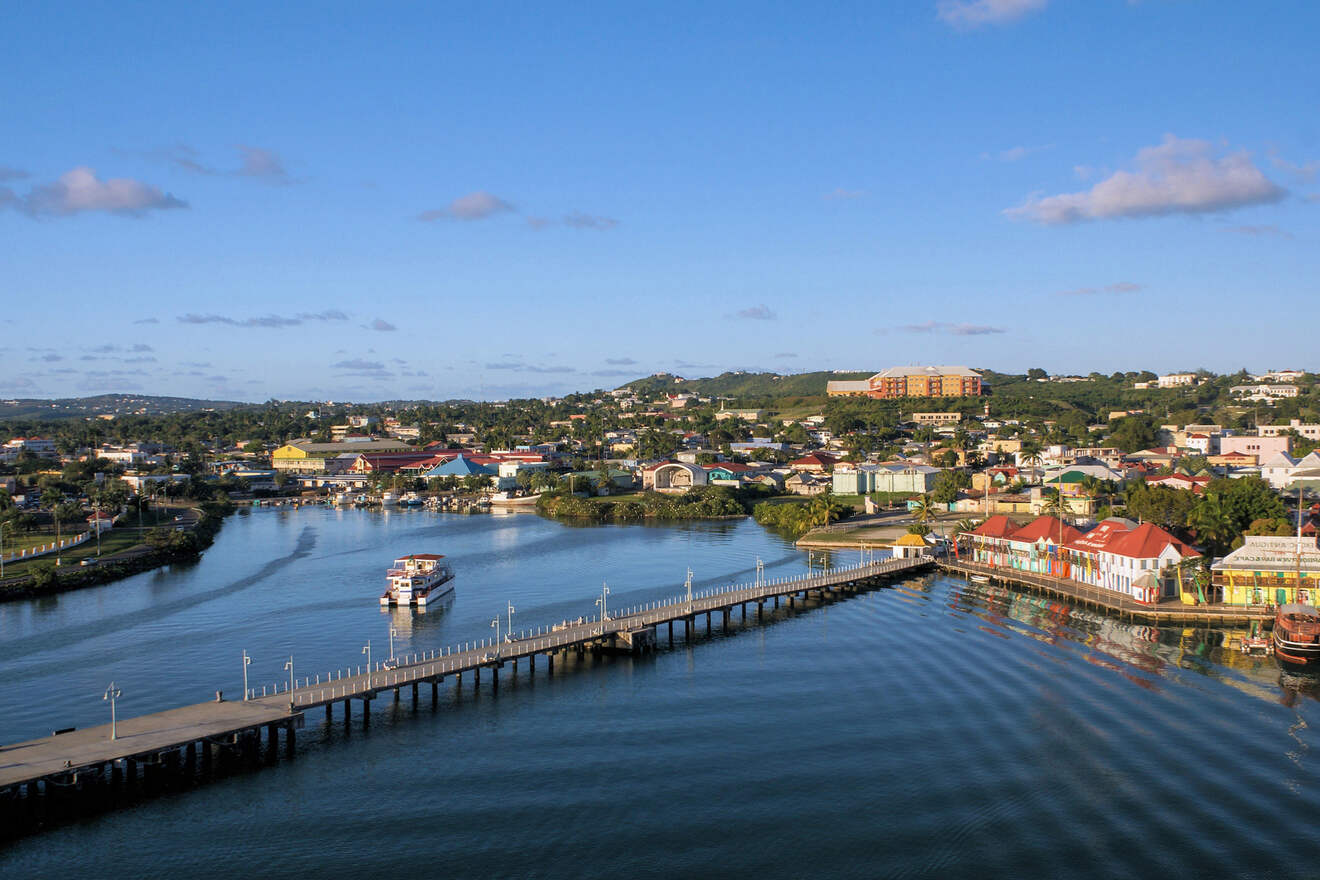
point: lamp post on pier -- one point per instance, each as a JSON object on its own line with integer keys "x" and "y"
{"x": 112, "y": 693}
{"x": 604, "y": 614}
{"x": 393, "y": 632}
{"x": 247, "y": 661}
{"x": 495, "y": 625}
{"x": 508, "y": 631}
{"x": 367, "y": 650}
{"x": 760, "y": 573}
{"x": 289, "y": 666}
{"x": 688, "y": 585}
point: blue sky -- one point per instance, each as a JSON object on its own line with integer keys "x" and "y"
{"x": 490, "y": 200}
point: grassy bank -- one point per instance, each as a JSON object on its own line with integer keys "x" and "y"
{"x": 124, "y": 552}
{"x": 701, "y": 503}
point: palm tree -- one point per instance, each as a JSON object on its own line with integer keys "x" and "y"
{"x": 922, "y": 510}
{"x": 1213, "y": 524}
{"x": 823, "y": 510}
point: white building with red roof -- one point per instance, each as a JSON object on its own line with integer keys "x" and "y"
{"x": 1117, "y": 554}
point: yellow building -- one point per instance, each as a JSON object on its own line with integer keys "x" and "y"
{"x": 1269, "y": 571}
{"x": 306, "y": 457}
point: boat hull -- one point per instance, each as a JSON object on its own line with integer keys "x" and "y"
{"x": 419, "y": 597}
{"x": 1296, "y": 654}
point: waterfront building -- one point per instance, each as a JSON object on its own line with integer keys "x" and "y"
{"x": 673, "y": 477}
{"x": 1140, "y": 561}
{"x": 306, "y": 456}
{"x": 942, "y": 381}
{"x": 1269, "y": 571}
{"x": 1176, "y": 380}
{"x": 907, "y": 479}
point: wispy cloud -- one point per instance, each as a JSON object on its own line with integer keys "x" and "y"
{"x": 80, "y": 191}
{"x": 8, "y": 173}
{"x": 756, "y": 313}
{"x": 841, "y": 194}
{"x": 477, "y": 205}
{"x": 962, "y": 329}
{"x": 1179, "y": 176}
{"x": 967, "y": 14}
{"x": 382, "y": 325}
{"x": 785, "y": 354}
{"x": 1261, "y": 231}
{"x": 1016, "y": 154}
{"x": 1119, "y": 287}
{"x": 257, "y": 163}
{"x": 262, "y": 164}
{"x": 267, "y": 321}
{"x": 358, "y": 364}
{"x": 579, "y": 220}
{"x": 620, "y": 362}
{"x": 519, "y": 367}
{"x": 1304, "y": 172}
{"x": 613, "y": 374}
{"x": 147, "y": 321}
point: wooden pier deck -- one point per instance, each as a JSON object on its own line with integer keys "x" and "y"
{"x": 183, "y": 736}
{"x": 1118, "y": 604}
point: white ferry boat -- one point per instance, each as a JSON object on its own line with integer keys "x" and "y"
{"x": 417, "y": 579}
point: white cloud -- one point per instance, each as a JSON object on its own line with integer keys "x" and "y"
{"x": 261, "y": 163}
{"x": 1016, "y": 154}
{"x": 1262, "y": 231}
{"x": 975, "y": 13}
{"x": 579, "y": 220}
{"x": 1304, "y": 172}
{"x": 382, "y": 325}
{"x": 80, "y": 190}
{"x": 474, "y": 206}
{"x": 962, "y": 329}
{"x": 757, "y": 313}
{"x": 1179, "y": 176}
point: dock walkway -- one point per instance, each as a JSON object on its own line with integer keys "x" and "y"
{"x": 1119, "y": 604}
{"x": 89, "y": 757}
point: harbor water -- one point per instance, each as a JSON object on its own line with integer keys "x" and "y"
{"x": 930, "y": 728}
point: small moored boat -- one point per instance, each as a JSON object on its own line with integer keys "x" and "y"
{"x": 1296, "y": 635}
{"x": 417, "y": 579}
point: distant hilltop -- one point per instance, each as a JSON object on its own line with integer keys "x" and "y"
{"x": 108, "y": 406}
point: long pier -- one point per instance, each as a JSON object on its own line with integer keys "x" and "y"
{"x": 1109, "y": 601}
{"x": 69, "y": 767}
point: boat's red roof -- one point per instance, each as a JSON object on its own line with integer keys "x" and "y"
{"x": 420, "y": 556}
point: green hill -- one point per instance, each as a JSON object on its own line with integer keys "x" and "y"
{"x": 743, "y": 386}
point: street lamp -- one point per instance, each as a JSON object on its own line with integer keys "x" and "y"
{"x": 508, "y": 631}
{"x": 2, "y": 550}
{"x": 393, "y": 632}
{"x": 367, "y": 651}
{"x": 247, "y": 661}
{"x": 760, "y": 572}
{"x": 289, "y": 666}
{"x": 604, "y": 613}
{"x": 495, "y": 625}
{"x": 688, "y": 584}
{"x": 112, "y": 693}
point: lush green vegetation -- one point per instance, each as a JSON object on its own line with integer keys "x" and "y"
{"x": 705, "y": 502}
{"x": 795, "y": 518}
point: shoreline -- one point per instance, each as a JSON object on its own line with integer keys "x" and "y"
{"x": 131, "y": 561}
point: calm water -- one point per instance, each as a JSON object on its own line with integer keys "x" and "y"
{"x": 934, "y": 728}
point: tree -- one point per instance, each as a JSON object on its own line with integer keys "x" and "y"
{"x": 1134, "y": 433}
{"x": 1213, "y": 524}
{"x": 947, "y": 485}
{"x": 923, "y": 511}
{"x": 1037, "y": 373}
